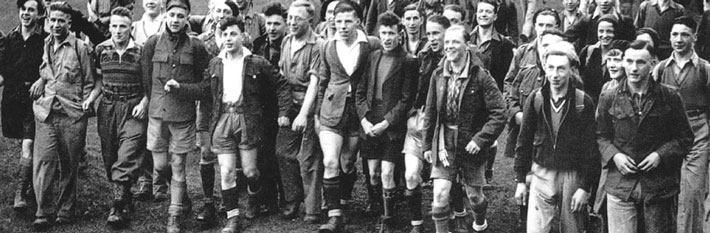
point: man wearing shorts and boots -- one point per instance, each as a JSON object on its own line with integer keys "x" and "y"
{"x": 464, "y": 116}
{"x": 383, "y": 97}
{"x": 337, "y": 120}
{"x": 169, "y": 57}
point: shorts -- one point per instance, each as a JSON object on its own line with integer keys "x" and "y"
{"x": 229, "y": 136}
{"x": 381, "y": 148}
{"x": 466, "y": 173}
{"x": 173, "y": 137}
{"x": 349, "y": 124}
{"x": 414, "y": 139}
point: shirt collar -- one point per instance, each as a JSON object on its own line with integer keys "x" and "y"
{"x": 494, "y": 35}
{"x": 464, "y": 73}
{"x": 70, "y": 40}
{"x": 671, "y": 4}
{"x": 361, "y": 37}
{"x": 693, "y": 59}
{"x": 245, "y": 52}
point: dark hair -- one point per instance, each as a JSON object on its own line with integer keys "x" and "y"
{"x": 413, "y": 7}
{"x": 554, "y": 32}
{"x": 123, "y": 12}
{"x": 389, "y": 19}
{"x": 231, "y": 21}
{"x": 348, "y": 6}
{"x": 324, "y": 8}
{"x": 232, "y": 6}
{"x": 686, "y": 21}
{"x": 617, "y": 45}
{"x": 547, "y": 11}
{"x": 610, "y": 19}
{"x": 642, "y": 45}
{"x": 41, "y": 8}
{"x": 493, "y": 3}
{"x": 464, "y": 31}
{"x": 652, "y": 33}
{"x": 456, "y": 8}
{"x": 64, "y": 7}
{"x": 276, "y": 9}
{"x": 439, "y": 19}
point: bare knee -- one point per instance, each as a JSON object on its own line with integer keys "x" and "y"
{"x": 413, "y": 178}
{"x": 440, "y": 196}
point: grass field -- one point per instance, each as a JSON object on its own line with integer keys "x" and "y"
{"x": 94, "y": 193}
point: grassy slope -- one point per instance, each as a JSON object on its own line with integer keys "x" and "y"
{"x": 150, "y": 217}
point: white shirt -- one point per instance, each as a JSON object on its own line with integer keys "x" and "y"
{"x": 348, "y": 55}
{"x": 233, "y": 80}
{"x": 147, "y": 27}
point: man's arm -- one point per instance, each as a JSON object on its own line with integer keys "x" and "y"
{"x": 324, "y": 76}
{"x": 605, "y": 128}
{"x": 399, "y": 111}
{"x": 361, "y": 104}
{"x": 275, "y": 79}
{"x": 87, "y": 65}
{"x": 683, "y": 135}
{"x": 147, "y": 64}
{"x": 512, "y": 97}
{"x": 590, "y": 165}
{"x": 496, "y": 112}
{"x": 430, "y": 114}
{"x": 524, "y": 147}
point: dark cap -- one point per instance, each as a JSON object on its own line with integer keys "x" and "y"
{"x": 185, "y": 4}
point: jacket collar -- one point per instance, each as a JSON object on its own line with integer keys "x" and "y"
{"x": 69, "y": 41}
{"x": 37, "y": 30}
{"x": 494, "y": 35}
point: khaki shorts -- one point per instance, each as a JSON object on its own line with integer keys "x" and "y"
{"x": 228, "y": 136}
{"x": 465, "y": 173}
{"x": 414, "y": 139}
{"x": 173, "y": 137}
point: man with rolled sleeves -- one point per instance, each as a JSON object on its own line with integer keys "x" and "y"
{"x": 173, "y": 56}
{"x": 66, "y": 80}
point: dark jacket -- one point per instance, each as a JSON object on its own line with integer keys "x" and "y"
{"x": 573, "y": 148}
{"x": 584, "y": 32}
{"x": 183, "y": 58}
{"x": 593, "y": 70}
{"x": 335, "y": 82}
{"x": 663, "y": 128}
{"x": 497, "y": 52}
{"x": 397, "y": 90}
{"x": 506, "y": 22}
{"x": 481, "y": 116}
{"x": 428, "y": 62}
{"x": 702, "y": 45}
{"x": 258, "y": 76}
{"x": 378, "y": 7}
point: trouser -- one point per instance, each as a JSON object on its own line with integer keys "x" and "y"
{"x": 552, "y": 190}
{"x": 59, "y": 141}
{"x": 636, "y": 215}
{"x": 123, "y": 139}
{"x": 301, "y": 166}
{"x": 268, "y": 165}
{"x": 693, "y": 179}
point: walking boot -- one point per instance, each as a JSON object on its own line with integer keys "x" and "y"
{"x": 232, "y": 225}
{"x": 122, "y": 205}
{"x": 207, "y": 215}
{"x": 115, "y": 217}
{"x": 291, "y": 210}
{"x": 460, "y": 225}
{"x": 174, "y": 220}
{"x": 24, "y": 195}
{"x": 334, "y": 225}
{"x": 145, "y": 191}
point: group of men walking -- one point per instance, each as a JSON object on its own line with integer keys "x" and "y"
{"x": 597, "y": 119}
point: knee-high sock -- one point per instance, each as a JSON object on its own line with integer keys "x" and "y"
{"x": 231, "y": 201}
{"x": 414, "y": 201}
{"x": 388, "y": 202}
{"x": 457, "y": 195}
{"x": 441, "y": 216}
{"x": 347, "y": 184}
{"x": 331, "y": 191}
{"x": 207, "y": 176}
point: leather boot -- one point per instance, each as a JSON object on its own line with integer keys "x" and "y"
{"x": 291, "y": 210}
{"x": 24, "y": 195}
{"x": 334, "y": 225}
{"x": 231, "y": 202}
{"x": 174, "y": 220}
{"x": 119, "y": 208}
{"x": 207, "y": 215}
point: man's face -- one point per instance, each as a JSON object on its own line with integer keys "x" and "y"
{"x": 543, "y": 23}
{"x": 613, "y": 65}
{"x": 486, "y": 14}
{"x": 221, "y": 11}
{"x": 329, "y": 16}
{"x": 120, "y": 28}
{"x": 275, "y": 27}
{"x": 435, "y": 35}
{"x": 637, "y": 65}
{"x": 454, "y": 17}
{"x": 28, "y": 13}
{"x": 232, "y": 38}
{"x": 604, "y": 5}
{"x": 389, "y": 36}
{"x": 605, "y": 32}
{"x": 682, "y": 38}
{"x": 454, "y": 45}
{"x": 298, "y": 21}
{"x": 412, "y": 21}
{"x": 152, "y": 7}
{"x": 59, "y": 24}
{"x": 558, "y": 71}
{"x": 176, "y": 19}
{"x": 571, "y": 5}
{"x": 346, "y": 24}
{"x": 546, "y": 41}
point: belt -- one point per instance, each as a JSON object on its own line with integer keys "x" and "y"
{"x": 695, "y": 112}
{"x": 231, "y": 108}
{"x": 117, "y": 97}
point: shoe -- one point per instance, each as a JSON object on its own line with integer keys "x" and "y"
{"x": 312, "y": 218}
{"x": 334, "y": 225}
{"x": 41, "y": 224}
{"x": 460, "y": 225}
{"x": 386, "y": 225}
{"x": 62, "y": 220}
{"x": 160, "y": 194}
{"x": 479, "y": 228}
{"x": 115, "y": 217}
{"x": 250, "y": 209}
{"x": 207, "y": 215}
{"x": 232, "y": 225}
{"x": 20, "y": 201}
{"x": 416, "y": 229}
{"x": 291, "y": 210}
{"x": 173, "y": 224}
{"x": 144, "y": 192}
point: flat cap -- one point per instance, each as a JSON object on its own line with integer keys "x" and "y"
{"x": 185, "y": 4}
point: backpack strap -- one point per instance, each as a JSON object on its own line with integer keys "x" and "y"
{"x": 578, "y": 100}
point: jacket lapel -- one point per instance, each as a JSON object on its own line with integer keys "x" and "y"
{"x": 372, "y": 80}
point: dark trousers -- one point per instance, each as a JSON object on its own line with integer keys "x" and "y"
{"x": 301, "y": 166}
{"x": 59, "y": 142}
{"x": 123, "y": 139}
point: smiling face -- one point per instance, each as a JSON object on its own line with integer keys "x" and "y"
{"x": 454, "y": 45}
{"x": 220, "y": 10}
{"x": 28, "y": 13}
{"x": 152, "y": 7}
{"x": 346, "y": 24}
{"x": 637, "y": 65}
{"x": 389, "y": 37}
{"x": 275, "y": 27}
{"x": 298, "y": 21}
{"x": 682, "y": 38}
{"x": 435, "y": 35}
{"x": 176, "y": 18}
{"x": 412, "y": 21}
{"x": 613, "y": 65}
{"x": 120, "y": 28}
{"x": 59, "y": 23}
{"x": 486, "y": 14}
{"x": 605, "y": 5}
{"x": 557, "y": 71}
{"x": 232, "y": 38}
{"x": 329, "y": 16}
{"x": 605, "y": 32}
